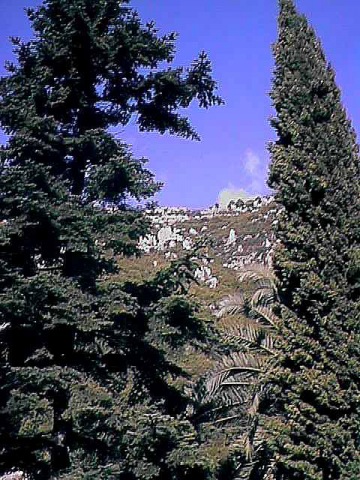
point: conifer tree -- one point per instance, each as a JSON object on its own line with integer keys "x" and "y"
{"x": 84, "y": 390}
{"x": 315, "y": 172}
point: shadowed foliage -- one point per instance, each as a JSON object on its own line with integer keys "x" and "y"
{"x": 87, "y": 389}
{"x": 314, "y": 421}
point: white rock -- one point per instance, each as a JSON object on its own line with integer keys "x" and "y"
{"x": 14, "y": 476}
{"x": 215, "y": 208}
{"x": 203, "y": 273}
{"x": 200, "y": 274}
{"x": 207, "y": 271}
{"x": 232, "y": 237}
{"x": 213, "y": 282}
{"x": 187, "y": 245}
{"x": 232, "y": 205}
{"x": 165, "y": 234}
{"x": 257, "y": 202}
{"x": 147, "y": 243}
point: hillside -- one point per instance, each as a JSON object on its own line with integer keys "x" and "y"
{"x": 230, "y": 238}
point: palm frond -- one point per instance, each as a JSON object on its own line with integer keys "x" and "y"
{"x": 244, "y": 361}
{"x": 234, "y": 377}
{"x": 241, "y": 326}
{"x": 267, "y": 314}
{"x": 231, "y": 305}
{"x": 236, "y": 385}
{"x": 260, "y": 274}
{"x": 246, "y": 333}
{"x": 263, "y": 296}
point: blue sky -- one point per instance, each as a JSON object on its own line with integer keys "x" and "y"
{"x": 237, "y": 34}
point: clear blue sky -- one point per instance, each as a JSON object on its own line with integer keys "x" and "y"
{"x": 237, "y": 34}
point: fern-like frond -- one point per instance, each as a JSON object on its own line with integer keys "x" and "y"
{"x": 267, "y": 343}
{"x": 267, "y": 314}
{"x": 232, "y": 305}
{"x": 234, "y": 377}
{"x": 263, "y": 296}
{"x": 246, "y": 333}
{"x": 260, "y": 274}
{"x": 244, "y": 361}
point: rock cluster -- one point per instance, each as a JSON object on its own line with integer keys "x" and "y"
{"x": 13, "y": 476}
{"x": 239, "y": 234}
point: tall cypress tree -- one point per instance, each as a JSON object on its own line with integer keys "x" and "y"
{"x": 315, "y": 173}
{"x": 84, "y": 392}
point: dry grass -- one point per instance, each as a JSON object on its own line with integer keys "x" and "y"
{"x": 218, "y": 228}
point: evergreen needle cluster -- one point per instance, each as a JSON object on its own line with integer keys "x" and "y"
{"x": 85, "y": 390}
{"x": 315, "y": 172}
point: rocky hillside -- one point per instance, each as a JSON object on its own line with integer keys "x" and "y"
{"x": 232, "y": 237}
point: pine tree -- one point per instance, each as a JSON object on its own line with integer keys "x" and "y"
{"x": 315, "y": 172}
{"x": 84, "y": 389}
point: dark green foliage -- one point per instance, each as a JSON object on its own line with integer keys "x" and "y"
{"x": 94, "y": 65}
{"x": 85, "y": 390}
{"x": 315, "y": 429}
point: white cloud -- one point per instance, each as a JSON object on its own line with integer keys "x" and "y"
{"x": 232, "y": 193}
{"x": 256, "y": 173}
{"x": 254, "y": 185}
{"x": 252, "y": 163}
